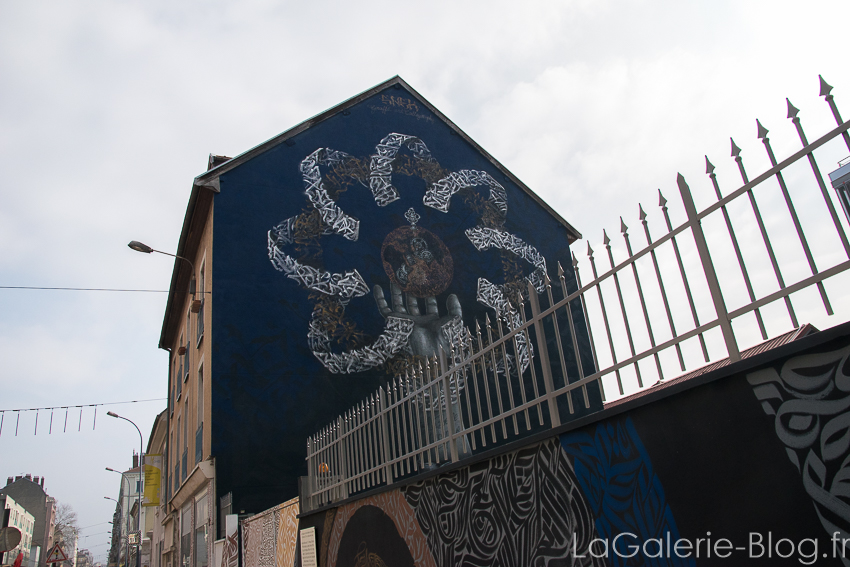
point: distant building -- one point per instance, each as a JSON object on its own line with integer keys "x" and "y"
{"x": 85, "y": 558}
{"x": 157, "y": 531}
{"x": 15, "y": 515}
{"x": 125, "y": 520}
{"x": 28, "y": 491}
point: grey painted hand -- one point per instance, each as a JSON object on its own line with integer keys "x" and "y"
{"x": 428, "y": 328}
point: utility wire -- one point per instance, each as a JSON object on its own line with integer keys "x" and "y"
{"x": 82, "y": 289}
{"x": 85, "y": 405}
{"x": 89, "y": 289}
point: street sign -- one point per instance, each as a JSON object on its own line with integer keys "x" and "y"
{"x": 133, "y": 538}
{"x": 9, "y": 538}
{"x": 56, "y": 555}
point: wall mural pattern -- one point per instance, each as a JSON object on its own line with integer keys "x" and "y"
{"x": 810, "y": 401}
{"x": 624, "y": 494}
{"x": 522, "y": 508}
{"x": 396, "y": 507}
{"x": 416, "y": 260}
{"x": 269, "y": 538}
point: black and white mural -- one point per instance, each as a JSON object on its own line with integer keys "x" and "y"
{"x": 417, "y": 263}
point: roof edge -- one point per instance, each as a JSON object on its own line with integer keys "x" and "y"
{"x": 210, "y": 178}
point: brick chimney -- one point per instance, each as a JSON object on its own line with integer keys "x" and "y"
{"x": 135, "y": 460}
{"x": 10, "y": 480}
{"x": 41, "y": 484}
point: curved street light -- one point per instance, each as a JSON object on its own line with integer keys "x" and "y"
{"x": 145, "y": 249}
{"x": 129, "y": 489}
{"x": 141, "y": 472}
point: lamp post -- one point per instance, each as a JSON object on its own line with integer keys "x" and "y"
{"x": 129, "y": 489}
{"x": 145, "y": 249}
{"x": 141, "y": 472}
{"x": 113, "y": 528}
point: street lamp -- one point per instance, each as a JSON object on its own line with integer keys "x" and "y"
{"x": 127, "y": 511}
{"x": 144, "y": 248}
{"x": 119, "y": 528}
{"x": 141, "y": 472}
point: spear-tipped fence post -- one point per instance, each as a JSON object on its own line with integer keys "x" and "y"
{"x": 708, "y": 268}
{"x": 444, "y": 369}
{"x": 545, "y": 366}
{"x": 825, "y": 92}
{"x": 382, "y": 401}
{"x": 793, "y": 116}
{"x": 341, "y": 456}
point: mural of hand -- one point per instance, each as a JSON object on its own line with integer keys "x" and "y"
{"x": 428, "y": 328}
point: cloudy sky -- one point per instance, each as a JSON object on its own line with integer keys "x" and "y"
{"x": 108, "y": 109}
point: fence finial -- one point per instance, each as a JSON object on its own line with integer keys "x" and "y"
{"x": 641, "y": 214}
{"x": 824, "y": 87}
{"x": 575, "y": 260}
{"x": 623, "y": 228}
{"x": 709, "y": 167}
{"x": 662, "y": 202}
{"x": 762, "y": 131}
{"x": 589, "y": 250}
{"x": 792, "y": 110}
{"x": 736, "y": 151}
{"x": 561, "y": 269}
{"x": 605, "y": 240}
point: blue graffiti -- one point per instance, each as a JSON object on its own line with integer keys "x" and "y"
{"x": 625, "y": 496}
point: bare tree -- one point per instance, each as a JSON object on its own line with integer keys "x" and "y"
{"x": 66, "y": 530}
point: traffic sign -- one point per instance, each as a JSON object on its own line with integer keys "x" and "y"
{"x": 56, "y": 555}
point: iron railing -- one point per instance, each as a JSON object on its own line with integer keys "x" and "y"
{"x": 526, "y": 370}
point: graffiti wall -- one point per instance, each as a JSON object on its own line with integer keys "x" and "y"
{"x": 749, "y": 468}
{"x": 346, "y": 255}
{"x": 269, "y": 537}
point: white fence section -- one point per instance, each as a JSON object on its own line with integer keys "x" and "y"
{"x": 556, "y": 352}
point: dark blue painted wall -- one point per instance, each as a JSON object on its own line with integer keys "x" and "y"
{"x": 269, "y": 390}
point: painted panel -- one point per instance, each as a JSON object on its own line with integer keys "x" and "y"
{"x": 750, "y": 468}
{"x": 344, "y": 256}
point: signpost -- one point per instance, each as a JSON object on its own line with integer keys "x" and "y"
{"x": 56, "y": 555}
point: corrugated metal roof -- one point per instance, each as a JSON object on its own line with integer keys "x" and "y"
{"x": 770, "y": 344}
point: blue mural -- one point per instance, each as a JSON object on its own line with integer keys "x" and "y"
{"x": 342, "y": 257}
{"x": 624, "y": 494}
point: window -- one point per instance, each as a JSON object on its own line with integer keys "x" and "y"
{"x": 199, "y": 435}
{"x": 200, "y": 323}
{"x": 201, "y": 532}
{"x": 200, "y": 396}
{"x": 186, "y": 535}
{"x": 178, "y": 383}
{"x": 186, "y": 356}
{"x": 184, "y": 464}
{"x": 177, "y": 457}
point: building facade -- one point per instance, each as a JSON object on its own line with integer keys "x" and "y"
{"x": 28, "y": 492}
{"x": 16, "y": 516}
{"x": 125, "y": 520}
{"x": 319, "y": 266}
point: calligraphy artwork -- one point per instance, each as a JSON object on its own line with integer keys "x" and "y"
{"x": 418, "y": 264}
{"x": 809, "y": 399}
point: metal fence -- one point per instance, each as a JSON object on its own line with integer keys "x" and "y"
{"x": 558, "y": 351}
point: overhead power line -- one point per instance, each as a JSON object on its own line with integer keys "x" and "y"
{"x": 82, "y": 289}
